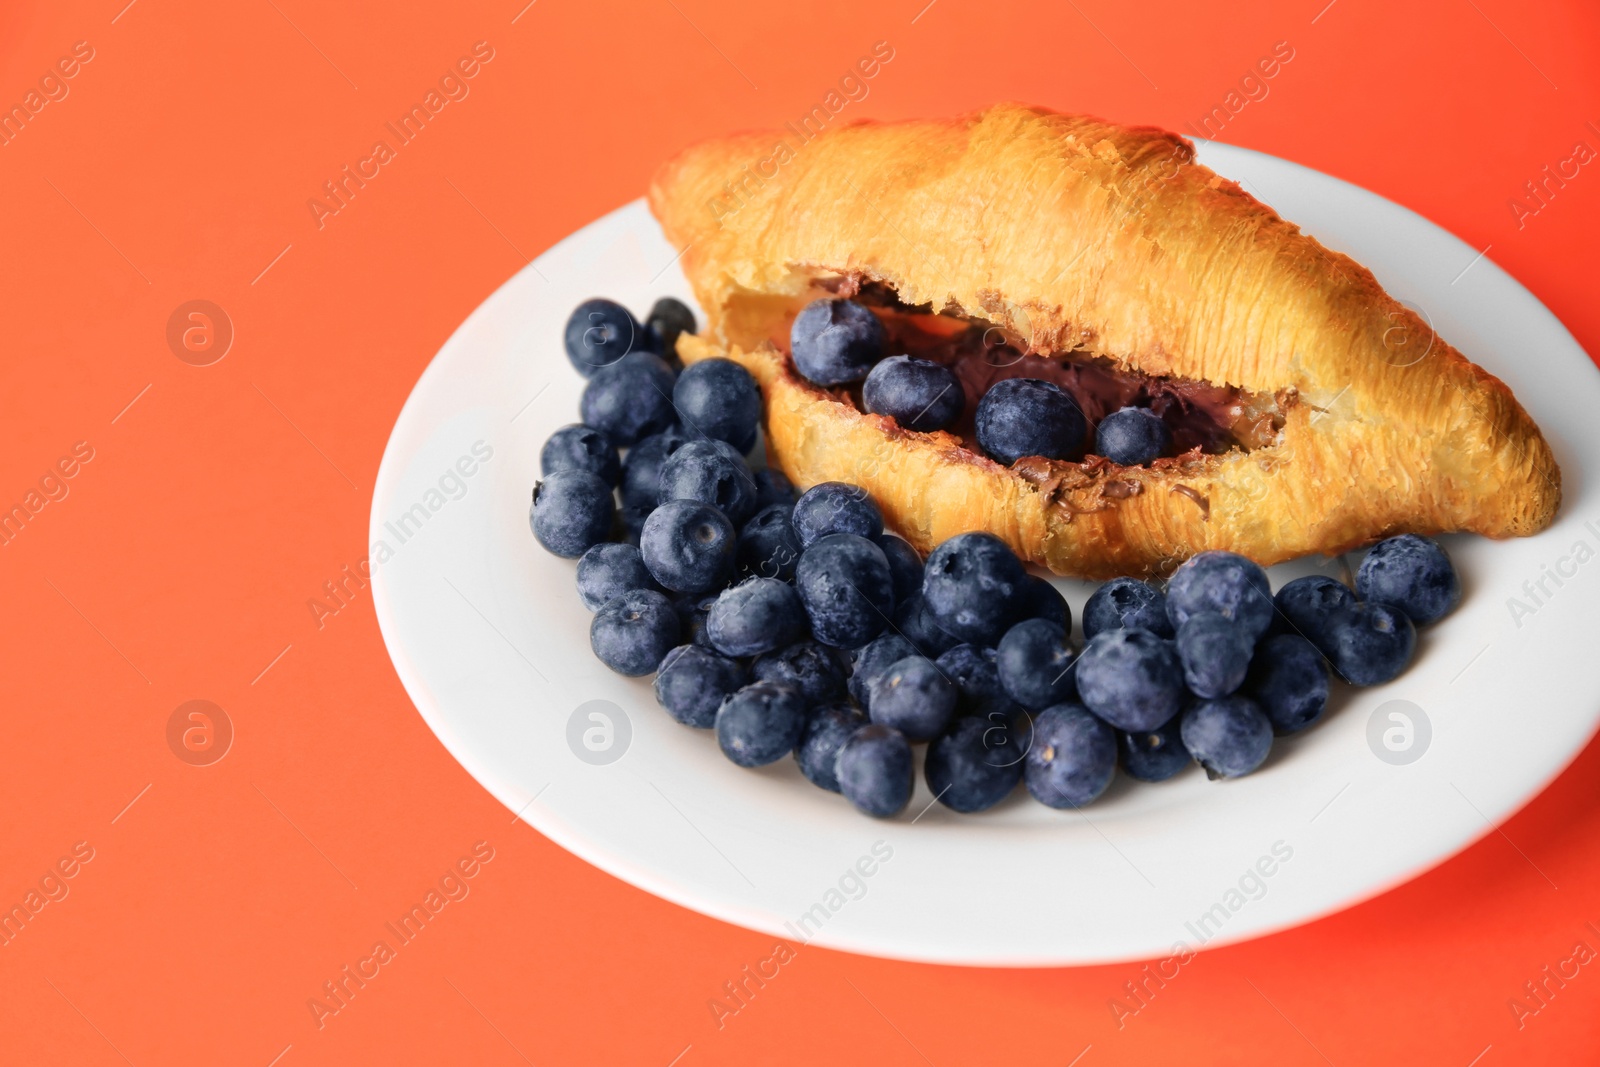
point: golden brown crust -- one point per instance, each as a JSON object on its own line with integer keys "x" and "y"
{"x": 1077, "y": 234}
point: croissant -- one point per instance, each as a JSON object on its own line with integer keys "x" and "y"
{"x": 1321, "y": 413}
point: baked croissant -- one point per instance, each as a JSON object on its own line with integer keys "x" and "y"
{"x": 1325, "y": 414}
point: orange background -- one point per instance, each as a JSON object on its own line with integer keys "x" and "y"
{"x": 180, "y": 562}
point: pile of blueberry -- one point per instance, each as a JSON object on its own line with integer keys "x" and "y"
{"x": 841, "y": 342}
{"x": 799, "y": 625}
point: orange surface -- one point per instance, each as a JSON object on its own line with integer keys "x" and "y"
{"x": 176, "y": 563}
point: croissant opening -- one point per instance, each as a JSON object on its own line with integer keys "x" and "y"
{"x": 1202, "y": 417}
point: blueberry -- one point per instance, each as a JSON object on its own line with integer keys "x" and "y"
{"x": 717, "y": 398}
{"x": 827, "y": 729}
{"x": 976, "y": 676}
{"x": 1132, "y": 437}
{"x": 1412, "y": 573}
{"x": 913, "y": 621}
{"x": 768, "y": 545}
{"x": 667, "y": 319}
{"x": 641, "y": 470}
{"x": 760, "y": 723}
{"x": 834, "y": 507}
{"x": 1307, "y": 607}
{"x": 808, "y": 667}
{"x": 712, "y": 473}
{"x": 973, "y": 585}
{"x": 1289, "y": 681}
{"x": 688, "y": 547}
{"x": 1370, "y": 643}
{"x": 1131, "y": 678}
{"x": 1126, "y": 604}
{"x": 756, "y": 616}
{"x": 609, "y": 570}
{"x": 871, "y": 660}
{"x": 1035, "y": 660}
{"x": 1229, "y": 737}
{"x": 571, "y": 512}
{"x": 914, "y": 697}
{"x": 633, "y": 632}
{"x": 1028, "y": 417}
{"x": 873, "y": 769}
{"x": 919, "y": 394}
{"x": 834, "y": 342}
{"x": 774, "y": 487}
{"x": 599, "y": 333}
{"x": 580, "y": 447}
{"x": 905, "y": 566}
{"x": 1215, "y": 651}
{"x": 845, "y": 585}
{"x": 1042, "y": 600}
{"x": 1225, "y": 583}
{"x": 692, "y": 682}
{"x": 630, "y": 399}
{"x": 1072, "y": 757}
{"x": 1154, "y": 755}
{"x": 974, "y": 765}
{"x": 692, "y": 612}
{"x": 630, "y": 522}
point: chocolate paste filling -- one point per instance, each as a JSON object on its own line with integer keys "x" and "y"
{"x": 1204, "y": 418}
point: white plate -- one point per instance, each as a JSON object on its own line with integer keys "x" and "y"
{"x": 487, "y": 634}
